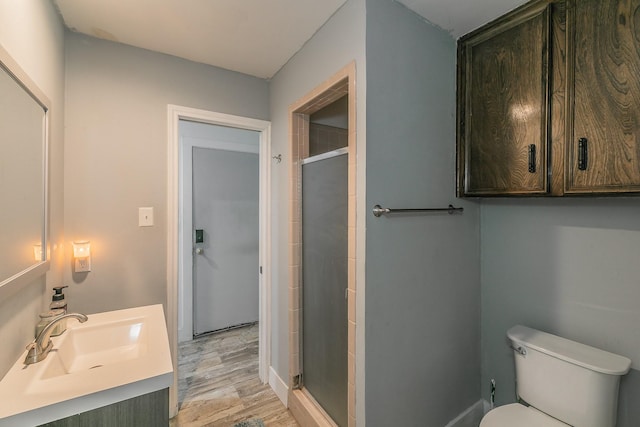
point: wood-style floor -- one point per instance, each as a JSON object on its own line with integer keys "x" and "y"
{"x": 218, "y": 383}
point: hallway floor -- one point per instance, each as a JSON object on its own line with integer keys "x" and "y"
{"x": 218, "y": 383}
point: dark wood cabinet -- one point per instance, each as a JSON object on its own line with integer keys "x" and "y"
{"x": 503, "y": 85}
{"x": 603, "y": 138}
{"x": 549, "y": 101}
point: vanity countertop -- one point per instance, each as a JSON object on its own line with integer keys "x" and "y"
{"x": 114, "y": 356}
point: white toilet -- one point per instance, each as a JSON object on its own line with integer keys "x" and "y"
{"x": 564, "y": 382}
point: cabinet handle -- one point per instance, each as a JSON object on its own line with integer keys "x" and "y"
{"x": 532, "y": 158}
{"x": 583, "y": 156}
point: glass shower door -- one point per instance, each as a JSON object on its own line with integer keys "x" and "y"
{"x": 324, "y": 281}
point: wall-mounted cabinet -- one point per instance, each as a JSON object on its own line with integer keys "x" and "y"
{"x": 503, "y": 91}
{"x": 549, "y": 101}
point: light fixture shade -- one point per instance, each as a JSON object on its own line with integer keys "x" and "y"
{"x": 81, "y": 249}
{"x": 37, "y": 252}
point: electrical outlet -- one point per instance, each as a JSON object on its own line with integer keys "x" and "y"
{"x": 83, "y": 265}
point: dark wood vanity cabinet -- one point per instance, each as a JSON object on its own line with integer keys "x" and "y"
{"x": 549, "y": 101}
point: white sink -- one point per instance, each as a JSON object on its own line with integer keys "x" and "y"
{"x": 94, "y": 346}
{"x": 113, "y": 356}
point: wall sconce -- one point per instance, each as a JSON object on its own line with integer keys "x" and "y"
{"x": 37, "y": 252}
{"x": 82, "y": 255}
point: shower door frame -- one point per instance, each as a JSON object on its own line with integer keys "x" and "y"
{"x": 303, "y": 406}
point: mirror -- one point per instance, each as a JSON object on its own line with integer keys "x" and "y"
{"x": 23, "y": 176}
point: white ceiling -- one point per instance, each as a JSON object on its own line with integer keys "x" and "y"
{"x": 459, "y": 17}
{"x": 255, "y": 37}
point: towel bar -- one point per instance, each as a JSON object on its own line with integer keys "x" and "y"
{"x": 379, "y": 210}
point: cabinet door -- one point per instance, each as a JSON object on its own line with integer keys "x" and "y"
{"x": 503, "y": 95}
{"x": 603, "y": 149}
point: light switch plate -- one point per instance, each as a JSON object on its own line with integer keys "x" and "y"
{"x": 145, "y": 217}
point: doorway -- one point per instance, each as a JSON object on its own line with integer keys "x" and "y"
{"x": 224, "y": 194}
{"x": 180, "y": 244}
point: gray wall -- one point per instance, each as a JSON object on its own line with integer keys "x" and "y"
{"x": 423, "y": 288}
{"x": 339, "y": 42}
{"x": 116, "y": 160}
{"x": 568, "y": 267}
{"x": 31, "y": 32}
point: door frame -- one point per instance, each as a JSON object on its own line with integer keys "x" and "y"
{"x": 174, "y": 221}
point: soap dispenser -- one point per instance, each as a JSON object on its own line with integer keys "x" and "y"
{"x": 58, "y": 307}
{"x": 58, "y": 301}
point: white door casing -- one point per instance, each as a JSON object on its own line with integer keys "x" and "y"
{"x": 177, "y": 257}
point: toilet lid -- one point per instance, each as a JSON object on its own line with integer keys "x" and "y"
{"x": 519, "y": 415}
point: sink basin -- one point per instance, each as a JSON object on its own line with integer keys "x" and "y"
{"x": 111, "y": 357}
{"x": 98, "y": 345}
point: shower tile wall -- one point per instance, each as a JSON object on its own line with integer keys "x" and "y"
{"x": 323, "y": 138}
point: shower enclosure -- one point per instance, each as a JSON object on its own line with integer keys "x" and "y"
{"x": 324, "y": 281}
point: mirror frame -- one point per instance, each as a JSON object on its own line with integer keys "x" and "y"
{"x": 14, "y": 283}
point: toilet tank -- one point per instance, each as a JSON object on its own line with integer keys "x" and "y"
{"x": 572, "y": 382}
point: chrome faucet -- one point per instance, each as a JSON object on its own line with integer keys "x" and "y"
{"x": 42, "y": 345}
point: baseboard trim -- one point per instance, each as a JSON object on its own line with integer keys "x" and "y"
{"x": 470, "y": 417}
{"x": 278, "y": 386}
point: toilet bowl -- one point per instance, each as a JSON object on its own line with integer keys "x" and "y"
{"x": 519, "y": 415}
{"x": 566, "y": 383}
